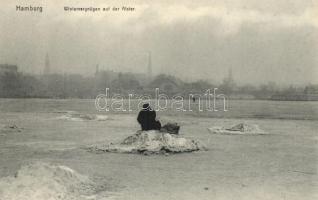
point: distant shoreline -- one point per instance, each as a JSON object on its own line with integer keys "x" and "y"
{"x": 29, "y": 8}
{"x": 231, "y": 99}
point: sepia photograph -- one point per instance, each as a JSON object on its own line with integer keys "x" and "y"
{"x": 158, "y": 99}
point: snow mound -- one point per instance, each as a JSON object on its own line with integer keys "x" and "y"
{"x": 239, "y": 129}
{"x": 64, "y": 111}
{"x": 101, "y": 117}
{"x": 42, "y": 181}
{"x": 83, "y": 117}
{"x": 151, "y": 142}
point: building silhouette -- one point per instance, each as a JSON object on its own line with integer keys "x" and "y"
{"x": 149, "y": 70}
{"x": 47, "y": 67}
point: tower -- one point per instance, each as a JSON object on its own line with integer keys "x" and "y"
{"x": 149, "y": 66}
{"x": 97, "y": 70}
{"x": 230, "y": 76}
{"x": 47, "y": 65}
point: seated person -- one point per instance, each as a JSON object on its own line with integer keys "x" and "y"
{"x": 147, "y": 119}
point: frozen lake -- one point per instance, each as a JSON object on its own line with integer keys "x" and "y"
{"x": 280, "y": 165}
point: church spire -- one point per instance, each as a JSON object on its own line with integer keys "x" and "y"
{"x": 97, "y": 70}
{"x": 47, "y": 65}
{"x": 230, "y": 75}
{"x": 149, "y": 65}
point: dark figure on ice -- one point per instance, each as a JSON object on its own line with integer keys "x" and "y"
{"x": 147, "y": 119}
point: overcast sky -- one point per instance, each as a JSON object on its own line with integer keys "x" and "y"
{"x": 272, "y": 40}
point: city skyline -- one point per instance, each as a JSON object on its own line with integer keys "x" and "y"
{"x": 259, "y": 42}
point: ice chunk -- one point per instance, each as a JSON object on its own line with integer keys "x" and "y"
{"x": 239, "y": 129}
{"x": 39, "y": 181}
{"x": 151, "y": 142}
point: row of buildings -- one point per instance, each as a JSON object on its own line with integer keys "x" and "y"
{"x": 73, "y": 85}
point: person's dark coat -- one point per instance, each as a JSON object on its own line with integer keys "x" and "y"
{"x": 147, "y": 119}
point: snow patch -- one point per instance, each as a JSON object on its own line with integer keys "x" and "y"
{"x": 83, "y": 117}
{"x": 42, "y": 181}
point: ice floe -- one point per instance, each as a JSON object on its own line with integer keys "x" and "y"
{"x": 239, "y": 129}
